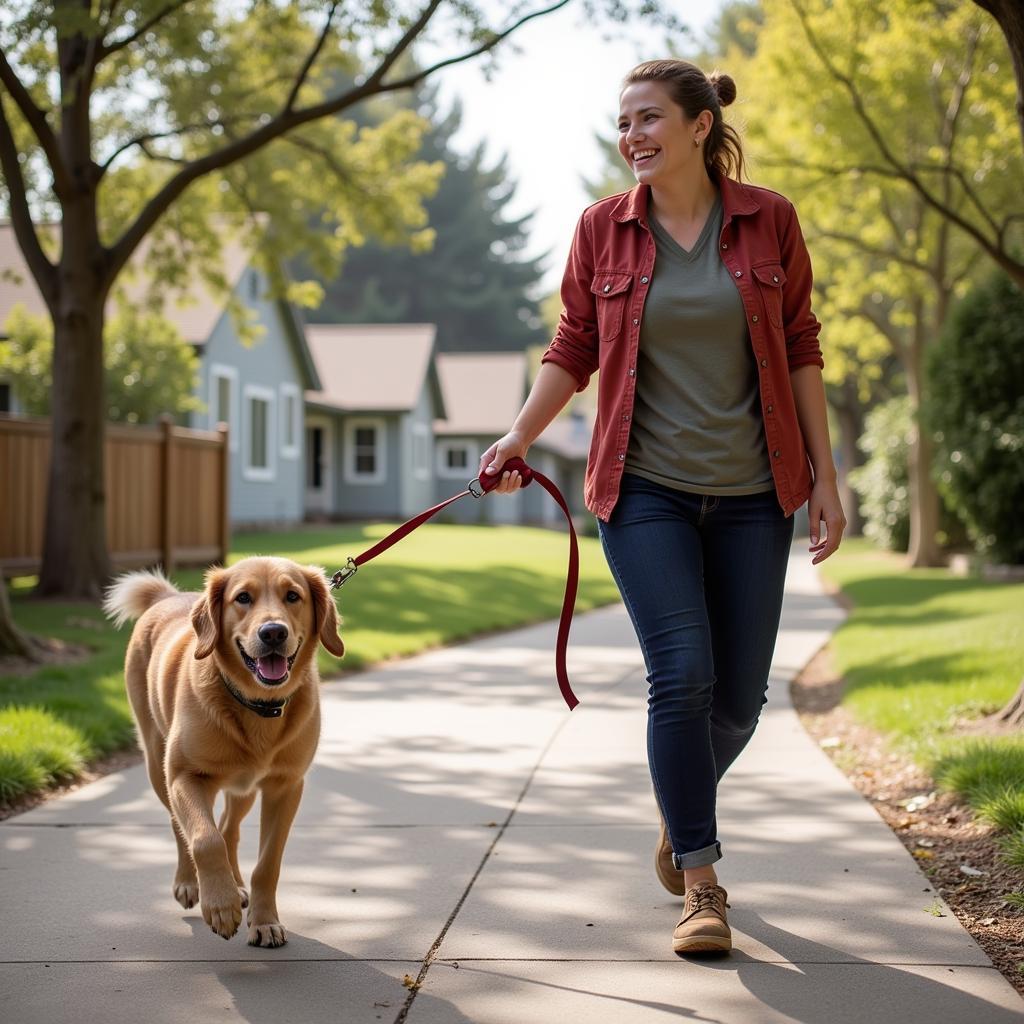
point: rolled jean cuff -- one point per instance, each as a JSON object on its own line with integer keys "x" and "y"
{"x": 698, "y": 858}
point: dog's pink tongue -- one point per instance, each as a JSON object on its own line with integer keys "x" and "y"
{"x": 272, "y": 666}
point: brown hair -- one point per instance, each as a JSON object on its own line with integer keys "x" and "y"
{"x": 694, "y": 91}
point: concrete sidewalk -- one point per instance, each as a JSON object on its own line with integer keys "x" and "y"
{"x": 461, "y": 827}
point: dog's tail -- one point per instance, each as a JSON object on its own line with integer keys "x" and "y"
{"x": 134, "y": 593}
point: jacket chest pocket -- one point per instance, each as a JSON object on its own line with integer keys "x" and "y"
{"x": 770, "y": 279}
{"x": 611, "y": 293}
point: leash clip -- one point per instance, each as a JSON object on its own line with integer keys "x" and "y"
{"x": 476, "y": 488}
{"x": 343, "y": 574}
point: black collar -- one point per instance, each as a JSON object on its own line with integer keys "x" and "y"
{"x": 263, "y": 708}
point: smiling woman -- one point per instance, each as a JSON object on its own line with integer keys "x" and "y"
{"x": 692, "y": 294}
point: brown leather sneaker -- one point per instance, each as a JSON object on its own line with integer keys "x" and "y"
{"x": 703, "y": 927}
{"x": 669, "y": 876}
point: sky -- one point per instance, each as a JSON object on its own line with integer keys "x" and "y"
{"x": 543, "y": 105}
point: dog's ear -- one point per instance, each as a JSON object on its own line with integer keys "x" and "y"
{"x": 325, "y": 613}
{"x": 206, "y": 612}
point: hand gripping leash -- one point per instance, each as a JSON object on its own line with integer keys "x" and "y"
{"x": 478, "y": 488}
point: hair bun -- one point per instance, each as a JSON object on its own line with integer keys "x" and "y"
{"x": 724, "y": 85}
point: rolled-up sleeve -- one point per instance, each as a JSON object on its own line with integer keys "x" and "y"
{"x": 575, "y": 345}
{"x": 800, "y": 325}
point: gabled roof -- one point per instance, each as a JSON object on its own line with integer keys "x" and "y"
{"x": 194, "y": 309}
{"x": 373, "y": 367}
{"x": 483, "y": 391}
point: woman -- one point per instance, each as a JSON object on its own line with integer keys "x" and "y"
{"x": 692, "y": 293}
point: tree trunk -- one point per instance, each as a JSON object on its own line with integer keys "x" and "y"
{"x": 1012, "y": 716}
{"x": 75, "y": 558}
{"x": 12, "y": 640}
{"x": 850, "y": 416}
{"x": 924, "y": 547}
{"x": 1010, "y": 16}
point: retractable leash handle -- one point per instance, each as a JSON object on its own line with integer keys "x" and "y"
{"x": 478, "y": 488}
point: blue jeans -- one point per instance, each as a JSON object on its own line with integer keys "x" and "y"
{"x": 702, "y": 580}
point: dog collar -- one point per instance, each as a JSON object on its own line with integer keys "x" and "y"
{"x": 263, "y": 708}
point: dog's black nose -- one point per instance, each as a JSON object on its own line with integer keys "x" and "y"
{"x": 273, "y": 633}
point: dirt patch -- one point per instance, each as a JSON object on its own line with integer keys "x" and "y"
{"x": 46, "y": 651}
{"x": 115, "y": 762}
{"x": 957, "y": 852}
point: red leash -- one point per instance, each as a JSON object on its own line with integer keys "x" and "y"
{"x": 482, "y": 487}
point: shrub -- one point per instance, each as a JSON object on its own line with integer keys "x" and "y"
{"x": 976, "y": 412}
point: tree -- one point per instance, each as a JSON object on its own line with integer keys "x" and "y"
{"x": 894, "y": 144}
{"x": 130, "y": 121}
{"x": 474, "y": 281}
{"x": 1010, "y": 15}
{"x": 149, "y": 369}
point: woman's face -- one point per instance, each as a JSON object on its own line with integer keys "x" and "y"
{"x": 655, "y": 136}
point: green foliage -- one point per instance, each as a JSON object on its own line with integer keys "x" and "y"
{"x": 149, "y": 369}
{"x": 474, "y": 281}
{"x": 882, "y": 483}
{"x": 976, "y": 408}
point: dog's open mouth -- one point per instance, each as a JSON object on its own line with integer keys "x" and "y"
{"x": 269, "y": 669}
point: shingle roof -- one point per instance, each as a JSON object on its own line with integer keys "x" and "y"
{"x": 194, "y": 311}
{"x": 370, "y": 367}
{"x": 483, "y": 391}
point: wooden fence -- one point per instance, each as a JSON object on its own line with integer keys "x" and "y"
{"x": 166, "y": 491}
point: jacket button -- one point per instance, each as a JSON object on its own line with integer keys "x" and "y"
{"x": 739, "y": 273}
{"x": 769, "y": 408}
{"x": 775, "y": 279}
{"x": 625, "y": 419}
{"x": 636, "y": 322}
{"x": 764, "y": 362}
{"x": 632, "y": 372}
{"x": 607, "y": 288}
{"x": 725, "y": 245}
{"x": 776, "y": 453}
{"x": 622, "y": 457}
{"x": 754, "y": 318}
{"x": 644, "y": 279}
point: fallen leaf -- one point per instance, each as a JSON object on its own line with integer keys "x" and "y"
{"x": 923, "y": 854}
{"x": 973, "y": 872}
{"x": 410, "y": 982}
{"x": 987, "y": 920}
{"x": 925, "y": 842}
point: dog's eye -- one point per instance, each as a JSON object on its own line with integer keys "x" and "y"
{"x": 292, "y": 596}
{"x": 244, "y": 597}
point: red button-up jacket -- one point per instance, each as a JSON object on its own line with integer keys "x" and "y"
{"x": 603, "y": 291}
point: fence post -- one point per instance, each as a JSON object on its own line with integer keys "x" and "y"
{"x": 225, "y": 492}
{"x": 166, "y": 469}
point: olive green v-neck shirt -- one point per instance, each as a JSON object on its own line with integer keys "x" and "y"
{"x": 697, "y": 422}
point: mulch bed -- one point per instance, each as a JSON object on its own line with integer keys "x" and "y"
{"x": 937, "y": 828}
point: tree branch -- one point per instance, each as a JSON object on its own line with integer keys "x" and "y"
{"x": 871, "y": 250}
{"x": 1000, "y": 256}
{"x": 106, "y": 49}
{"x": 42, "y": 269}
{"x": 185, "y": 129}
{"x": 37, "y": 122}
{"x": 284, "y": 122}
{"x": 308, "y": 62}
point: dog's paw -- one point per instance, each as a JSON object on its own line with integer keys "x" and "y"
{"x": 268, "y": 935}
{"x": 187, "y": 893}
{"x": 222, "y": 908}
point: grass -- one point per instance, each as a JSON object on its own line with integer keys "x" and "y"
{"x": 924, "y": 652}
{"x": 441, "y": 584}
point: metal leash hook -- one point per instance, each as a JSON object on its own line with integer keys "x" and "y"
{"x": 343, "y": 574}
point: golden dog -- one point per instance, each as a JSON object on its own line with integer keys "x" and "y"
{"x": 225, "y": 692}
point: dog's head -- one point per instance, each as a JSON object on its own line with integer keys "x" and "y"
{"x": 264, "y": 615}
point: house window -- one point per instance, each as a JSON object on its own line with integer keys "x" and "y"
{"x": 259, "y": 445}
{"x": 223, "y": 404}
{"x": 420, "y": 451}
{"x": 364, "y": 451}
{"x": 291, "y": 411}
{"x": 5, "y": 397}
{"x": 456, "y": 459}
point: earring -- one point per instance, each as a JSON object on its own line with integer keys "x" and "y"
{"x": 696, "y": 142}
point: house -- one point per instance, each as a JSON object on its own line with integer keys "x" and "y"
{"x": 483, "y": 394}
{"x": 369, "y": 425}
{"x": 256, "y": 388}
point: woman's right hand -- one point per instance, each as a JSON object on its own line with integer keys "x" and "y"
{"x": 505, "y": 448}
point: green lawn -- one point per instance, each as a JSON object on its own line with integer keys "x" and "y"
{"x": 441, "y": 584}
{"x": 924, "y": 648}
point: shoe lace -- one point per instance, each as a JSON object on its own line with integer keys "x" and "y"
{"x": 703, "y": 897}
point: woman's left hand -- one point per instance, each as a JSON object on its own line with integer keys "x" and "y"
{"x": 824, "y": 504}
